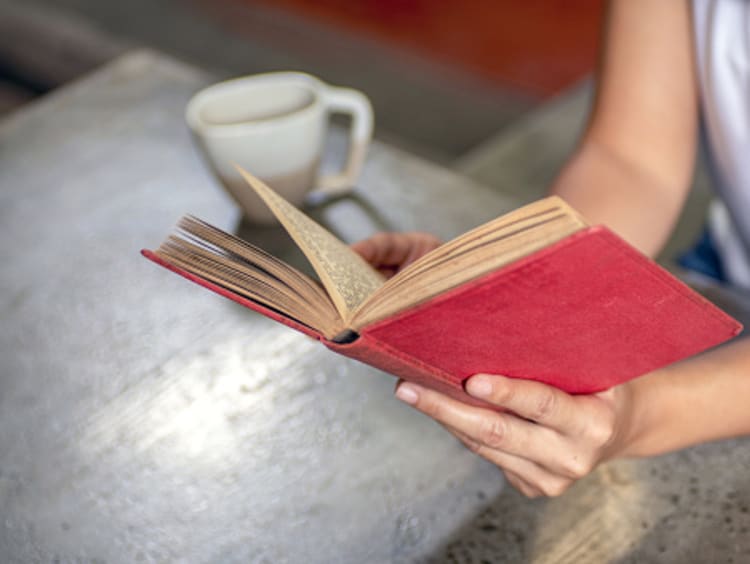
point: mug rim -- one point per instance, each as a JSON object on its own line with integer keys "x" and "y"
{"x": 196, "y": 103}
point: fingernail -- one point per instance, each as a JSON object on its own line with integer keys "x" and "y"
{"x": 479, "y": 386}
{"x": 407, "y": 394}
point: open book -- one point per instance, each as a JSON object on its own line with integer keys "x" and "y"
{"x": 535, "y": 293}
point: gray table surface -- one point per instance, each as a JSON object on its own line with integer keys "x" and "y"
{"x": 145, "y": 419}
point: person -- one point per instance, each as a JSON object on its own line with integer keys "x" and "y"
{"x": 663, "y": 65}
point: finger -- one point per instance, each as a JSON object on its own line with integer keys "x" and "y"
{"x": 519, "y": 484}
{"x": 374, "y": 248}
{"x": 422, "y": 243}
{"x": 581, "y": 426}
{"x": 365, "y": 249}
{"x": 505, "y": 461}
{"x": 496, "y": 431}
{"x": 395, "y": 249}
{"x": 531, "y": 400}
{"x": 537, "y": 479}
{"x": 387, "y": 271}
{"x": 385, "y": 249}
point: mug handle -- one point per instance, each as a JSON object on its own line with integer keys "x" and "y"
{"x": 357, "y": 105}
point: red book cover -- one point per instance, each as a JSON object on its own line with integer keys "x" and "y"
{"x": 584, "y": 314}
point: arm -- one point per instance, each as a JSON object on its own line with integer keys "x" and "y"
{"x": 698, "y": 400}
{"x": 633, "y": 167}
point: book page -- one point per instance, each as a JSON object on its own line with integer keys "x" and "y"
{"x": 488, "y": 247}
{"x": 238, "y": 266}
{"x": 347, "y": 277}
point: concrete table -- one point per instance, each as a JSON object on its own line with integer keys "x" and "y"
{"x": 145, "y": 419}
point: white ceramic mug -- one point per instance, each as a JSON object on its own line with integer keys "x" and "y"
{"x": 273, "y": 125}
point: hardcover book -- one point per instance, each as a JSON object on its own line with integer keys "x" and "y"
{"x": 536, "y": 293}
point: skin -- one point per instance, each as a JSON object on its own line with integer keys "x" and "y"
{"x": 632, "y": 172}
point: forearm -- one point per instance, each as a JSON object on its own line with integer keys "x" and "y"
{"x": 608, "y": 190}
{"x": 633, "y": 168}
{"x": 702, "y": 399}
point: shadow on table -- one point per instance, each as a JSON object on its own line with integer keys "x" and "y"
{"x": 502, "y": 533}
{"x": 700, "y": 501}
{"x": 689, "y": 506}
{"x": 585, "y": 525}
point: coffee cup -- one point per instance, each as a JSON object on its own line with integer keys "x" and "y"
{"x": 274, "y": 126}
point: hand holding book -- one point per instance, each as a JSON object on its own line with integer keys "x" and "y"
{"x": 542, "y": 438}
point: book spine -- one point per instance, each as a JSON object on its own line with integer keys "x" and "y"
{"x": 369, "y": 350}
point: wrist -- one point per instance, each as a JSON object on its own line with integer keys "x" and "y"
{"x": 634, "y": 419}
{"x": 652, "y": 414}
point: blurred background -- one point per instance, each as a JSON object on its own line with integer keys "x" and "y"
{"x": 444, "y": 77}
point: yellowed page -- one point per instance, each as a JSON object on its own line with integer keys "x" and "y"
{"x": 473, "y": 254}
{"x": 347, "y": 277}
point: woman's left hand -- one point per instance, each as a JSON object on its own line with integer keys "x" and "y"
{"x": 544, "y": 440}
